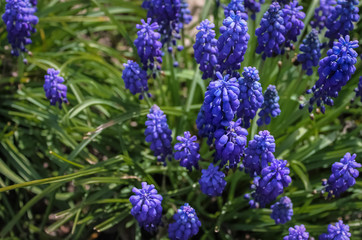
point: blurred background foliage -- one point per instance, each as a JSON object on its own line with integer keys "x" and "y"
{"x": 68, "y": 174}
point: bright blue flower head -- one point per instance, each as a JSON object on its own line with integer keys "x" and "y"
{"x": 271, "y": 184}
{"x": 186, "y": 224}
{"x": 311, "y": 48}
{"x": 205, "y": 129}
{"x": 232, "y": 43}
{"x": 282, "y": 211}
{"x": 205, "y": 49}
{"x": 259, "y": 153}
{"x": 340, "y": 21}
{"x": 20, "y": 20}
{"x": 147, "y": 207}
{"x": 339, "y": 231}
{"x": 271, "y": 33}
{"x": 253, "y": 7}
{"x": 221, "y": 101}
{"x": 251, "y": 95}
{"x": 185, "y": 16}
{"x": 54, "y": 88}
{"x": 335, "y": 70}
{"x": 236, "y": 6}
{"x": 158, "y": 134}
{"x": 230, "y": 144}
{"x": 187, "y": 151}
{"x": 358, "y": 89}
{"x": 270, "y": 107}
{"x": 297, "y": 233}
{"x": 344, "y": 174}
{"x": 135, "y": 79}
{"x": 148, "y": 46}
{"x": 321, "y": 14}
{"x": 212, "y": 182}
{"x": 293, "y": 21}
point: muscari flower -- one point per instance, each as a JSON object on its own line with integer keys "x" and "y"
{"x": 20, "y": 20}
{"x": 205, "y": 49}
{"x": 186, "y": 224}
{"x": 221, "y": 101}
{"x": 253, "y": 7}
{"x": 205, "y": 129}
{"x": 271, "y": 33}
{"x": 54, "y": 88}
{"x": 212, "y": 182}
{"x": 230, "y": 144}
{"x": 282, "y": 212}
{"x": 187, "y": 151}
{"x": 185, "y": 16}
{"x": 146, "y": 207}
{"x": 335, "y": 70}
{"x": 297, "y": 233}
{"x": 339, "y": 231}
{"x": 311, "y": 48}
{"x": 135, "y": 79}
{"x": 358, "y": 89}
{"x": 232, "y": 43}
{"x": 158, "y": 134}
{"x": 344, "y": 174}
{"x": 259, "y": 153}
{"x": 236, "y": 6}
{"x": 34, "y": 2}
{"x": 321, "y": 14}
{"x": 270, "y": 185}
{"x": 293, "y": 21}
{"x": 251, "y": 95}
{"x": 270, "y": 107}
{"x": 340, "y": 20}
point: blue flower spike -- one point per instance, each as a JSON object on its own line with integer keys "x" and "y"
{"x": 311, "y": 52}
{"x": 54, "y": 88}
{"x": 270, "y": 107}
{"x": 339, "y": 231}
{"x": 135, "y": 79}
{"x": 282, "y": 211}
{"x": 297, "y": 233}
{"x": 293, "y": 21}
{"x": 187, "y": 151}
{"x": 212, "y": 181}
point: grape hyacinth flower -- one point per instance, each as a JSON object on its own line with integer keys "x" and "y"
{"x": 251, "y": 95}
{"x": 259, "y": 153}
{"x": 187, "y": 224}
{"x": 205, "y": 49}
{"x": 311, "y": 48}
{"x": 270, "y": 107}
{"x": 54, "y": 88}
{"x": 321, "y": 14}
{"x": 135, "y": 79}
{"x": 253, "y": 7}
{"x": 158, "y": 134}
{"x": 340, "y": 21}
{"x": 187, "y": 151}
{"x": 212, "y": 182}
{"x": 271, "y": 32}
{"x": 297, "y": 233}
{"x": 230, "y": 144}
{"x": 358, "y": 89}
{"x": 148, "y": 46}
{"x": 20, "y": 23}
{"x": 344, "y": 174}
{"x": 293, "y": 22}
{"x": 34, "y": 2}
{"x": 236, "y": 6}
{"x": 337, "y": 231}
{"x": 335, "y": 70}
{"x": 282, "y": 211}
{"x": 205, "y": 129}
{"x": 185, "y": 16}
{"x": 270, "y": 185}
{"x": 146, "y": 207}
{"x": 232, "y": 43}
{"x": 221, "y": 101}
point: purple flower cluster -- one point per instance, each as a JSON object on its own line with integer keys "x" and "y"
{"x": 251, "y": 95}
{"x": 293, "y": 21}
{"x": 271, "y": 33}
{"x": 253, "y": 7}
{"x": 186, "y": 16}
{"x": 297, "y": 233}
{"x": 321, "y": 14}
{"x": 206, "y": 129}
{"x": 212, "y": 182}
{"x": 158, "y": 134}
{"x": 311, "y": 48}
{"x": 186, "y": 224}
{"x": 135, "y": 79}
{"x": 335, "y": 70}
{"x": 237, "y": 7}
{"x": 54, "y": 88}
{"x": 187, "y": 151}
{"x": 270, "y": 107}
{"x": 205, "y": 49}
{"x": 338, "y": 231}
{"x": 344, "y": 174}
{"x": 232, "y": 43}
{"x": 20, "y": 20}
{"x": 282, "y": 211}
{"x": 259, "y": 153}
{"x": 230, "y": 144}
{"x": 147, "y": 207}
{"x": 358, "y": 89}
